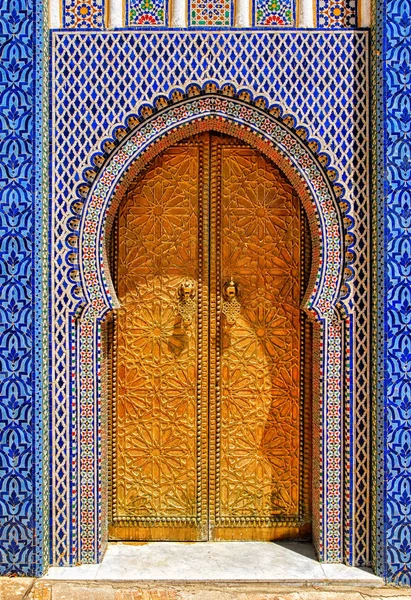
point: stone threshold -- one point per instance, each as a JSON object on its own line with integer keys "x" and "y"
{"x": 292, "y": 563}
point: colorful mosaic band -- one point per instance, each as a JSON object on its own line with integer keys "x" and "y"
{"x": 147, "y": 12}
{"x": 337, "y": 14}
{"x": 214, "y": 13}
{"x": 91, "y": 14}
{"x": 81, "y": 14}
{"x": 274, "y": 13}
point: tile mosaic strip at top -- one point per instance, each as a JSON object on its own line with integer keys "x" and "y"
{"x": 92, "y": 14}
{"x": 83, "y": 14}
{"x": 279, "y": 13}
{"x": 336, "y": 14}
{"x": 101, "y": 77}
{"x": 211, "y": 13}
{"x": 146, "y": 12}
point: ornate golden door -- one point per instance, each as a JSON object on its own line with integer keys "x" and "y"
{"x": 211, "y": 384}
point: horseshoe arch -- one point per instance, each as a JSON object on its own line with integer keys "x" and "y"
{"x": 134, "y": 146}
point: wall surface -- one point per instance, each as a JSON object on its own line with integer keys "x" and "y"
{"x": 23, "y": 214}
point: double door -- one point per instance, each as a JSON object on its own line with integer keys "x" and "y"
{"x": 210, "y": 351}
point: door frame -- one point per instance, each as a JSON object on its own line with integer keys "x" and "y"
{"x": 335, "y": 495}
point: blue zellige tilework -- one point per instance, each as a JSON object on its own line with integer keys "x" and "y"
{"x": 22, "y": 536}
{"x": 394, "y": 472}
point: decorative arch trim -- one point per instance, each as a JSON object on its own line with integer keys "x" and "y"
{"x": 119, "y": 162}
{"x": 274, "y": 136}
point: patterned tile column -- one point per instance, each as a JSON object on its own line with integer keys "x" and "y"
{"x": 392, "y": 290}
{"x": 23, "y": 266}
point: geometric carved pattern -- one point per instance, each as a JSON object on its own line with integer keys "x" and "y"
{"x": 76, "y": 137}
{"x": 159, "y": 451}
{"x": 160, "y": 448}
{"x": 257, "y": 360}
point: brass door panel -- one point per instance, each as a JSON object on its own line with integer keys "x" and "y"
{"x": 211, "y": 390}
{"x": 258, "y": 463}
{"x": 159, "y": 450}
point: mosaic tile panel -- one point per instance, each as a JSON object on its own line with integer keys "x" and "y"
{"x": 336, "y": 14}
{"x": 378, "y": 267}
{"x": 41, "y": 288}
{"x": 357, "y": 442}
{"x": 210, "y": 13}
{"x": 23, "y": 416}
{"x": 159, "y": 63}
{"x": 83, "y": 14}
{"x": 147, "y": 12}
{"x": 393, "y": 40}
{"x": 274, "y": 13}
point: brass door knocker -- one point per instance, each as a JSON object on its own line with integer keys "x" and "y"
{"x": 231, "y": 307}
{"x": 186, "y": 306}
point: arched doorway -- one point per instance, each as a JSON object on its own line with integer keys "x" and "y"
{"x": 211, "y": 371}
{"x": 298, "y": 156}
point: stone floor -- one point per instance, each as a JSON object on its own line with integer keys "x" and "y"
{"x": 41, "y": 589}
{"x": 209, "y": 571}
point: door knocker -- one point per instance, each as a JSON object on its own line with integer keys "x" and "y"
{"x": 231, "y": 307}
{"x": 187, "y": 305}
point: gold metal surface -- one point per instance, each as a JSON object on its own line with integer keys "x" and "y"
{"x": 230, "y": 306}
{"x": 187, "y": 303}
{"x": 256, "y": 424}
{"x": 210, "y": 435}
{"x": 159, "y": 455}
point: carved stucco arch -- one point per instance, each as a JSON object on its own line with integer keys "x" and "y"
{"x": 134, "y": 148}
